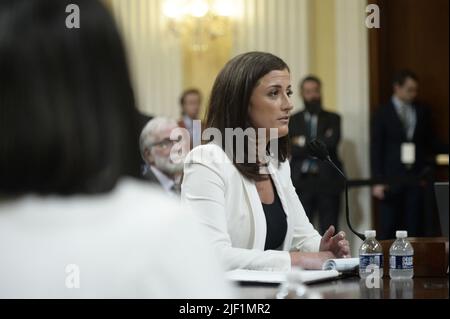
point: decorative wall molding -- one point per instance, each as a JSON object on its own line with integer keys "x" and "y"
{"x": 280, "y": 27}
{"x": 353, "y": 105}
{"x": 154, "y": 55}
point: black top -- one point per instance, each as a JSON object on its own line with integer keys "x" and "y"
{"x": 276, "y": 222}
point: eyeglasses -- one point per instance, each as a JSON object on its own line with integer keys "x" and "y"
{"x": 164, "y": 144}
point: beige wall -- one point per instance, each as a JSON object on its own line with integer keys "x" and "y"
{"x": 280, "y": 27}
{"x": 353, "y": 104}
{"x": 200, "y": 68}
{"x": 154, "y": 55}
{"x": 276, "y": 26}
{"x": 322, "y": 47}
{"x": 302, "y": 32}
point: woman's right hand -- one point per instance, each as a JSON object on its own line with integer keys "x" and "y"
{"x": 310, "y": 261}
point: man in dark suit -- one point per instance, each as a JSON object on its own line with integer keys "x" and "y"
{"x": 402, "y": 142}
{"x": 190, "y": 102}
{"x": 318, "y": 185}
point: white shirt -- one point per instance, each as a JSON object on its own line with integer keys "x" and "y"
{"x": 133, "y": 242}
{"x": 195, "y": 130}
{"x": 409, "y": 114}
{"x": 188, "y": 122}
{"x": 312, "y": 122}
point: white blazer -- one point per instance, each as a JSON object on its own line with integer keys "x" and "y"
{"x": 229, "y": 207}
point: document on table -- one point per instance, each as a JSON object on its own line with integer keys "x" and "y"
{"x": 332, "y": 268}
{"x": 341, "y": 264}
{"x": 278, "y": 277}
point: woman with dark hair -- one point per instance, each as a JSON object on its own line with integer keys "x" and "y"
{"x": 246, "y": 199}
{"x": 74, "y": 220}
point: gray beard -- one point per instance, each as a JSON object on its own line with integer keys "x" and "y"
{"x": 165, "y": 165}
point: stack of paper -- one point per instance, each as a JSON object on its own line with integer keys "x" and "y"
{"x": 278, "y": 277}
{"x": 341, "y": 264}
{"x": 332, "y": 268}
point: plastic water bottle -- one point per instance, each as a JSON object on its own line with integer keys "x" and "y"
{"x": 370, "y": 255}
{"x": 401, "y": 255}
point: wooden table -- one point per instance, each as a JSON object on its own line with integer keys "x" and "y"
{"x": 355, "y": 288}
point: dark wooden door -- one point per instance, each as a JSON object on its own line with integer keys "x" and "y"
{"x": 413, "y": 34}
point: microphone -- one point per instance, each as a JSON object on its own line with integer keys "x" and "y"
{"x": 318, "y": 149}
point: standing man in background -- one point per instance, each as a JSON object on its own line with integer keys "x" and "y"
{"x": 401, "y": 146}
{"x": 318, "y": 185}
{"x": 190, "y": 102}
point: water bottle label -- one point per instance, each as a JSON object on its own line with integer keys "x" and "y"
{"x": 370, "y": 259}
{"x": 401, "y": 262}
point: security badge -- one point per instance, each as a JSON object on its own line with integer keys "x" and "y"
{"x": 329, "y": 133}
{"x": 299, "y": 140}
{"x": 408, "y": 153}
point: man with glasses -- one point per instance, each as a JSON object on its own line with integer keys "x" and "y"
{"x": 156, "y": 147}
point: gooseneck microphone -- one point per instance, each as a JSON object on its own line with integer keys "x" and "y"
{"x": 318, "y": 149}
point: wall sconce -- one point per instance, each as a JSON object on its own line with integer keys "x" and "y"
{"x": 200, "y": 20}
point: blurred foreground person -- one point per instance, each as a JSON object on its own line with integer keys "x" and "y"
{"x": 74, "y": 220}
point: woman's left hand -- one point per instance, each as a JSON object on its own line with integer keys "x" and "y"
{"x": 337, "y": 244}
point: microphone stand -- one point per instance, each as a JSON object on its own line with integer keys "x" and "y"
{"x": 347, "y": 210}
